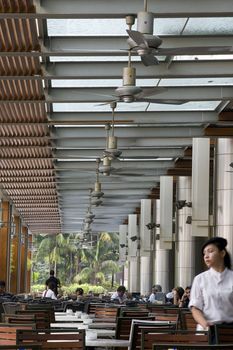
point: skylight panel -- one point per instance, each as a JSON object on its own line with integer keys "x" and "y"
{"x": 86, "y": 27}
{"x": 211, "y": 26}
{"x": 99, "y": 83}
{"x": 196, "y": 82}
{"x": 189, "y": 106}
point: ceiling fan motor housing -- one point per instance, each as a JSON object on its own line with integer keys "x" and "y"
{"x": 145, "y": 22}
{"x": 112, "y": 142}
{"x": 129, "y": 76}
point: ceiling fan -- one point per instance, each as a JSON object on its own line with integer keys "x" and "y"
{"x": 147, "y": 45}
{"x": 107, "y": 169}
{"x": 111, "y": 151}
{"x": 129, "y": 92}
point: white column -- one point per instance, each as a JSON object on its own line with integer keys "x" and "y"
{"x": 123, "y": 231}
{"x": 161, "y": 266}
{"x": 200, "y": 186}
{"x": 185, "y": 245}
{"x": 224, "y": 191}
{"x": 145, "y": 248}
{"x": 133, "y": 254}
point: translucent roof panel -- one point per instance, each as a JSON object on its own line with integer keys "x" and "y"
{"x": 196, "y": 82}
{"x": 86, "y": 27}
{"x": 211, "y": 26}
{"x": 100, "y": 82}
{"x": 109, "y": 26}
{"x": 97, "y": 58}
{"x": 136, "y": 106}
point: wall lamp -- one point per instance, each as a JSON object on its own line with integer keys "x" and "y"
{"x": 180, "y": 204}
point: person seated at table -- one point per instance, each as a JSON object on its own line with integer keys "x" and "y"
{"x": 5, "y": 296}
{"x": 49, "y": 292}
{"x": 120, "y": 295}
{"x": 184, "y": 301}
{"x": 79, "y": 294}
{"x": 175, "y": 295}
{"x": 155, "y": 289}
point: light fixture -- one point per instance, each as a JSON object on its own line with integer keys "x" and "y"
{"x": 180, "y": 204}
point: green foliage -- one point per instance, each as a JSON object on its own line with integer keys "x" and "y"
{"x": 72, "y": 288}
{"x": 72, "y": 263}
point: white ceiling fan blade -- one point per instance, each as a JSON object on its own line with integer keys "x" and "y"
{"x": 150, "y": 92}
{"x": 149, "y": 60}
{"x": 138, "y": 38}
{"x": 193, "y": 50}
{"x": 167, "y": 102}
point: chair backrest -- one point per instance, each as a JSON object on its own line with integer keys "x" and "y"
{"x": 150, "y": 336}
{"x": 223, "y": 333}
{"x": 19, "y": 319}
{"x": 135, "y": 331}
{"x": 192, "y": 347}
{"x": 48, "y": 315}
{"x": 187, "y": 320}
{"x": 57, "y": 336}
{"x": 107, "y": 312}
{"x": 15, "y": 347}
{"x": 123, "y": 326}
{"x": 10, "y": 307}
{"x": 62, "y": 346}
{"x": 135, "y": 313}
{"x": 91, "y": 307}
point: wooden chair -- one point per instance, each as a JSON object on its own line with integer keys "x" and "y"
{"x": 107, "y": 312}
{"x": 150, "y": 336}
{"x": 11, "y": 307}
{"x": 19, "y": 319}
{"x": 48, "y": 316}
{"x": 136, "y": 330}
{"x": 223, "y": 333}
{"x": 60, "y": 339}
{"x": 91, "y": 307}
{"x": 168, "y": 318}
{"x": 123, "y": 327}
{"x": 16, "y": 347}
{"x": 187, "y": 320}
{"x": 135, "y": 313}
{"x": 192, "y": 347}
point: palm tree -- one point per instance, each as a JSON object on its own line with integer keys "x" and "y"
{"x": 100, "y": 261}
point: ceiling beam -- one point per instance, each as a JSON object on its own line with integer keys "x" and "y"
{"x": 113, "y": 70}
{"x": 119, "y": 9}
{"x": 116, "y": 45}
{"x": 60, "y": 118}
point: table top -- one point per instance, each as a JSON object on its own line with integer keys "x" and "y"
{"x": 100, "y": 332}
{"x": 102, "y": 343}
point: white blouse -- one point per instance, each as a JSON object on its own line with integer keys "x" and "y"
{"x": 49, "y": 294}
{"x": 212, "y": 293}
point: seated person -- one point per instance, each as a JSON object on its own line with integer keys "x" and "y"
{"x": 120, "y": 295}
{"x": 175, "y": 295}
{"x": 49, "y": 292}
{"x": 79, "y": 294}
{"x": 156, "y": 294}
{"x": 184, "y": 301}
{"x": 5, "y": 296}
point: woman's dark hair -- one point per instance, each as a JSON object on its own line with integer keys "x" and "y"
{"x": 180, "y": 291}
{"x": 121, "y": 289}
{"x": 79, "y": 291}
{"x": 221, "y": 244}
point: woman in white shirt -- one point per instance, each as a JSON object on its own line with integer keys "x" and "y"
{"x": 211, "y": 299}
{"x": 49, "y": 291}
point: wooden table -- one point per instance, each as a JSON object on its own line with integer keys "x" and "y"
{"x": 107, "y": 343}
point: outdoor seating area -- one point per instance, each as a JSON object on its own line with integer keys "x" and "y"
{"x": 116, "y": 174}
{"x": 110, "y": 326}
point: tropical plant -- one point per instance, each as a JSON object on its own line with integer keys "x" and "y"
{"x": 100, "y": 261}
